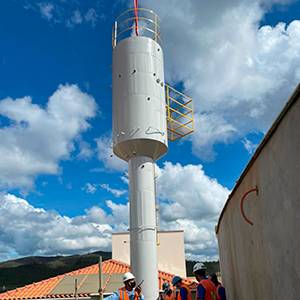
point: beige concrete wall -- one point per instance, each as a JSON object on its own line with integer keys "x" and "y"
{"x": 171, "y": 256}
{"x": 263, "y": 261}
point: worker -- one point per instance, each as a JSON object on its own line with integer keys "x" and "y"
{"x": 184, "y": 292}
{"x": 221, "y": 295}
{"x": 129, "y": 292}
{"x": 168, "y": 293}
{"x": 206, "y": 290}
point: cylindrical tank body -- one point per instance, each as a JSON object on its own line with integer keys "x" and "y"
{"x": 140, "y": 137}
{"x": 139, "y": 123}
{"x": 143, "y": 251}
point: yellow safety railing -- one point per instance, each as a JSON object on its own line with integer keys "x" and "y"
{"x": 180, "y": 114}
{"x": 125, "y": 25}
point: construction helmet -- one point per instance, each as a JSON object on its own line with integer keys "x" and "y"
{"x": 166, "y": 286}
{"x": 127, "y": 276}
{"x": 199, "y": 266}
{"x": 176, "y": 279}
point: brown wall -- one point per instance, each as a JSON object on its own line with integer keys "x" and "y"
{"x": 263, "y": 261}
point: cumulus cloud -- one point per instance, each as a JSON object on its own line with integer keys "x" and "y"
{"x": 189, "y": 192}
{"x": 36, "y": 231}
{"x": 214, "y": 129}
{"x": 238, "y": 72}
{"x": 106, "y": 156}
{"x": 189, "y": 200}
{"x": 37, "y": 138}
{"x": 192, "y": 201}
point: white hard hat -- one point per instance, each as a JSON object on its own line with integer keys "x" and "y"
{"x": 198, "y": 266}
{"x": 128, "y": 276}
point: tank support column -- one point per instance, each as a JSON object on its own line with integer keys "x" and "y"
{"x": 143, "y": 252}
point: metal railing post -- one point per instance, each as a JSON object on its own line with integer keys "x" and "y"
{"x": 76, "y": 289}
{"x": 149, "y": 29}
{"x": 100, "y": 279}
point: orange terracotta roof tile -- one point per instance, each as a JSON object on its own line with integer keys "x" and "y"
{"x": 42, "y": 289}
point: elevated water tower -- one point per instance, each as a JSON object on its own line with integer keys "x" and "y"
{"x": 147, "y": 113}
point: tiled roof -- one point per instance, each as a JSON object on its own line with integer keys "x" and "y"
{"x": 42, "y": 289}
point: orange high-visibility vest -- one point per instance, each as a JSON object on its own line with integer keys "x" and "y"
{"x": 169, "y": 297}
{"x": 188, "y": 291}
{"x": 124, "y": 296}
{"x": 210, "y": 289}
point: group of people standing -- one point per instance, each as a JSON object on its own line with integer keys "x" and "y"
{"x": 208, "y": 288}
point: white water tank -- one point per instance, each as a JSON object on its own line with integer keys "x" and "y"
{"x": 139, "y": 123}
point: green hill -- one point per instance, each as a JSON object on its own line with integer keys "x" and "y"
{"x": 19, "y": 272}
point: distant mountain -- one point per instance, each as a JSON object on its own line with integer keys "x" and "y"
{"x": 19, "y": 272}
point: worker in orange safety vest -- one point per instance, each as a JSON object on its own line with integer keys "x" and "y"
{"x": 168, "y": 292}
{"x": 184, "y": 292}
{"x": 129, "y": 292}
{"x": 221, "y": 295}
{"x": 206, "y": 290}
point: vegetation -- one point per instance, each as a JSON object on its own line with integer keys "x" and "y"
{"x": 19, "y": 272}
{"x": 212, "y": 267}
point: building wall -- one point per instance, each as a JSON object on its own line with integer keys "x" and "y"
{"x": 171, "y": 256}
{"x": 263, "y": 261}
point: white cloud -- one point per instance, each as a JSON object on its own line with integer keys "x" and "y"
{"x": 116, "y": 192}
{"x": 239, "y": 74}
{"x": 46, "y": 10}
{"x": 38, "y": 138}
{"x": 71, "y": 13}
{"x": 249, "y": 146}
{"x": 106, "y": 156}
{"x": 189, "y": 193}
{"x": 90, "y": 188}
{"x": 91, "y": 17}
{"x": 75, "y": 19}
{"x": 85, "y": 150}
{"x": 192, "y": 201}
{"x": 211, "y": 128}
{"x": 36, "y": 231}
{"x": 125, "y": 178}
{"x": 189, "y": 200}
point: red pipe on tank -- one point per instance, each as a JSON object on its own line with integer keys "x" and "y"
{"x": 136, "y": 15}
{"x": 242, "y": 204}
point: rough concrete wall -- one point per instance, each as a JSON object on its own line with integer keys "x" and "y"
{"x": 263, "y": 261}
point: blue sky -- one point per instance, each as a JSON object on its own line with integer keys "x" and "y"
{"x": 237, "y": 60}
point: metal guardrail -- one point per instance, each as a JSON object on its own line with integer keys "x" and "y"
{"x": 180, "y": 114}
{"x": 148, "y": 25}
